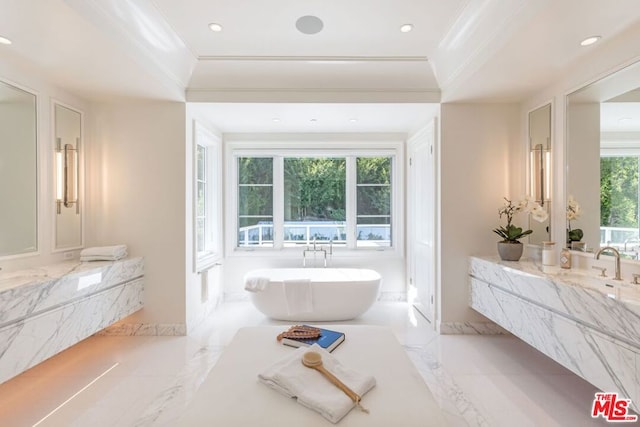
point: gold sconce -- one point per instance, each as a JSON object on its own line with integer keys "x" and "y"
{"x": 541, "y": 174}
{"x": 66, "y": 175}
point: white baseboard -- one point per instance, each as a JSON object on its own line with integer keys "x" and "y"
{"x": 392, "y": 296}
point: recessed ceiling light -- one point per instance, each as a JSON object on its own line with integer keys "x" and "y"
{"x": 406, "y": 28}
{"x": 275, "y": 120}
{"x": 4, "y": 40}
{"x": 353, "y": 120}
{"x": 216, "y": 28}
{"x": 590, "y": 40}
{"x": 309, "y": 24}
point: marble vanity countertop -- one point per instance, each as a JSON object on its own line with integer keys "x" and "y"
{"x": 602, "y": 303}
{"x": 27, "y": 292}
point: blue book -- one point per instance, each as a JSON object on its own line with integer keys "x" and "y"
{"x": 328, "y": 340}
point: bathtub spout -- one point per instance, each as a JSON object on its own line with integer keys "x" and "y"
{"x": 315, "y": 252}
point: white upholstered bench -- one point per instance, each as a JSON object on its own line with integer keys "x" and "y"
{"x": 231, "y": 395}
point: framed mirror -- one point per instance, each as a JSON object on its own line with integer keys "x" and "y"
{"x": 67, "y": 145}
{"x": 539, "y": 130}
{"x": 603, "y": 158}
{"x": 18, "y": 171}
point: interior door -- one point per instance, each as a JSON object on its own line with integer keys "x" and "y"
{"x": 421, "y": 221}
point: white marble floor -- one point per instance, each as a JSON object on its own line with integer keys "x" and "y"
{"x": 148, "y": 381}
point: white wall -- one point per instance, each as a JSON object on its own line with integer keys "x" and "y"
{"x": 481, "y": 147}
{"x": 135, "y": 187}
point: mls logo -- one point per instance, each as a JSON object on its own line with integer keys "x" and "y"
{"x": 611, "y": 408}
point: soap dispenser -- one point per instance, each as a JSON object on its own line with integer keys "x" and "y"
{"x": 565, "y": 258}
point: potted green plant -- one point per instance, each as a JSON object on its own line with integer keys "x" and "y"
{"x": 510, "y": 248}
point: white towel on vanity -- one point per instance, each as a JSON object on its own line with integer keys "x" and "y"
{"x": 298, "y": 296}
{"x": 291, "y": 378}
{"x": 255, "y": 284}
{"x": 104, "y": 253}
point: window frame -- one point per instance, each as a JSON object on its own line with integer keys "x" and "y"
{"x": 335, "y": 149}
{"x": 203, "y": 137}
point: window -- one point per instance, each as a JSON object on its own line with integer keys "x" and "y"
{"x": 201, "y": 199}
{"x": 288, "y": 201}
{"x": 314, "y": 200}
{"x": 619, "y": 175}
{"x": 255, "y": 201}
{"x": 374, "y": 201}
{"x": 207, "y": 198}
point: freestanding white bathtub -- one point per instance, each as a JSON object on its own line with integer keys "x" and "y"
{"x": 335, "y": 293}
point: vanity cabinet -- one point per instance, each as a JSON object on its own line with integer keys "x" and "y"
{"x": 585, "y": 330}
{"x": 43, "y": 311}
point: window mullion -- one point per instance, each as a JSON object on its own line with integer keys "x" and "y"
{"x": 350, "y": 189}
{"x": 278, "y": 202}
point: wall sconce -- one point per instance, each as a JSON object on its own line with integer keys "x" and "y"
{"x": 541, "y": 174}
{"x": 66, "y": 176}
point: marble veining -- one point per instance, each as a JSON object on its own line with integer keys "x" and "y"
{"x": 470, "y": 328}
{"x": 45, "y": 314}
{"x": 450, "y": 397}
{"x": 144, "y": 329}
{"x": 30, "y": 294}
{"x": 496, "y": 381}
{"x": 614, "y": 311}
{"x": 585, "y": 330}
{"x": 170, "y": 402}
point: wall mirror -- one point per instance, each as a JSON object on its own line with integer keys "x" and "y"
{"x": 67, "y": 139}
{"x": 539, "y": 124}
{"x": 603, "y": 158}
{"x": 18, "y": 171}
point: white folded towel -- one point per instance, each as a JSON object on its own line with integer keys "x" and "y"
{"x": 298, "y": 296}
{"x": 291, "y": 378}
{"x": 255, "y": 284}
{"x": 104, "y": 253}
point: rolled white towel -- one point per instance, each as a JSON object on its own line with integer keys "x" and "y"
{"x": 255, "y": 283}
{"x": 291, "y": 378}
{"x": 104, "y": 253}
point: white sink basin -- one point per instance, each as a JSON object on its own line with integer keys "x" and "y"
{"x": 618, "y": 289}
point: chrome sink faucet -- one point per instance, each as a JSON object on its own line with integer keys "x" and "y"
{"x": 616, "y": 254}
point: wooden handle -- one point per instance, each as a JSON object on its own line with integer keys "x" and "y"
{"x": 352, "y": 394}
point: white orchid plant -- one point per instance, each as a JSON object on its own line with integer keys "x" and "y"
{"x": 510, "y": 233}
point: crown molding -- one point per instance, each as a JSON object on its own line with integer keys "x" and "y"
{"x": 337, "y": 59}
{"x": 311, "y": 95}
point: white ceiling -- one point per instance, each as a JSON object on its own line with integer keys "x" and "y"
{"x": 620, "y": 117}
{"x": 317, "y": 117}
{"x": 459, "y": 50}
